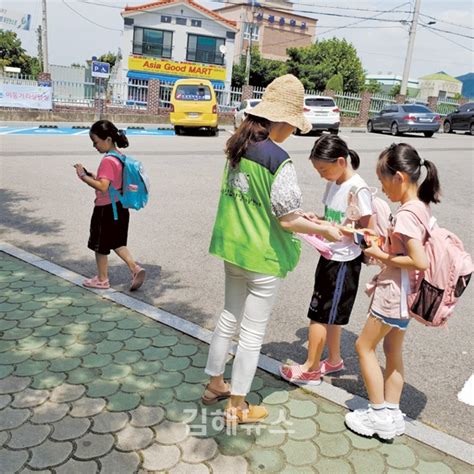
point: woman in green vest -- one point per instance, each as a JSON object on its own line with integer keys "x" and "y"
{"x": 258, "y": 212}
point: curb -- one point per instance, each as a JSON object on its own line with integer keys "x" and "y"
{"x": 415, "y": 429}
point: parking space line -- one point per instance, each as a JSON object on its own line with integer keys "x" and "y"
{"x": 18, "y": 130}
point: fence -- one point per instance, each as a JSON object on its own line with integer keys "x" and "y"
{"x": 379, "y": 101}
{"x": 446, "y": 106}
{"x": 349, "y": 104}
{"x": 19, "y": 79}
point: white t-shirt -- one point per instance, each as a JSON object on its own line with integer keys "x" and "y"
{"x": 336, "y": 200}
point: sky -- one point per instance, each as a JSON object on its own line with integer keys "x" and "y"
{"x": 381, "y": 45}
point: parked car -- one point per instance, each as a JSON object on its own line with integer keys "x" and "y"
{"x": 461, "y": 119}
{"x": 193, "y": 106}
{"x": 322, "y": 112}
{"x": 242, "y": 110}
{"x": 398, "y": 119}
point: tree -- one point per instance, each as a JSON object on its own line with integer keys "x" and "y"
{"x": 335, "y": 83}
{"x": 238, "y": 74}
{"x": 110, "y": 58}
{"x": 263, "y": 71}
{"x": 395, "y": 90}
{"x": 12, "y": 54}
{"x": 314, "y": 65}
{"x": 373, "y": 87}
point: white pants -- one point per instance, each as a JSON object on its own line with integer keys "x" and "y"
{"x": 249, "y": 298}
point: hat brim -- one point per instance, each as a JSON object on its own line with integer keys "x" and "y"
{"x": 276, "y": 112}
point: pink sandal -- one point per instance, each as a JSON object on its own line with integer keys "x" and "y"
{"x": 96, "y": 283}
{"x": 138, "y": 277}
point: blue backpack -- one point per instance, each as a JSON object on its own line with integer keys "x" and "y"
{"x": 135, "y": 185}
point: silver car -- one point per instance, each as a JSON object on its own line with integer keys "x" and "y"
{"x": 241, "y": 112}
{"x": 401, "y": 118}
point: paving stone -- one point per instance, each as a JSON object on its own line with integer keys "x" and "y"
{"x": 146, "y": 416}
{"x": 182, "y": 350}
{"x": 109, "y": 347}
{"x": 6, "y": 325}
{"x": 391, "y": 470}
{"x": 131, "y": 439}
{"x": 185, "y": 468}
{"x": 363, "y": 461}
{"x": 70, "y": 428}
{"x": 301, "y": 429}
{"x": 425, "y": 467}
{"x": 13, "y": 384}
{"x": 332, "y": 445}
{"x": 67, "y": 393}
{"x": 116, "y": 462}
{"x": 81, "y": 375}
{"x": 147, "y": 331}
{"x": 28, "y": 435}
{"x": 92, "y": 337}
{"x": 76, "y": 329}
{"x": 127, "y": 357}
{"x": 229, "y": 464}
{"x": 265, "y": 460}
{"x": 300, "y": 453}
{"x": 235, "y": 444}
{"x": 271, "y": 436}
{"x": 86, "y": 407}
{"x": 361, "y": 442}
{"x": 133, "y": 383}
{"x": 29, "y": 398}
{"x": 12, "y": 461}
{"x": 198, "y": 450}
{"x": 3, "y": 438}
{"x": 92, "y": 446}
{"x": 121, "y": 401}
{"x": 7, "y": 307}
{"x": 156, "y": 353}
{"x": 302, "y": 408}
{"x": 72, "y": 311}
{"x": 14, "y": 357}
{"x": 158, "y": 397}
{"x": 129, "y": 323}
{"x": 49, "y": 412}
{"x": 48, "y": 380}
{"x": 169, "y": 432}
{"x": 48, "y": 353}
{"x": 64, "y": 365}
{"x": 271, "y": 396}
{"x": 156, "y": 457}
{"x": 329, "y": 407}
{"x": 297, "y": 470}
{"x": 114, "y": 372}
{"x": 19, "y": 298}
{"x": 168, "y": 379}
{"x": 49, "y": 454}
{"x": 164, "y": 341}
{"x": 119, "y": 334}
{"x": 143, "y": 367}
{"x": 188, "y": 392}
{"x": 78, "y": 467}
{"x": 179, "y": 411}
{"x": 102, "y": 388}
{"x": 195, "y": 375}
{"x": 11, "y": 418}
{"x": 398, "y": 455}
{"x": 78, "y": 350}
{"x": 331, "y": 423}
{"x": 108, "y": 422}
{"x": 425, "y": 452}
{"x": 6, "y": 345}
{"x": 339, "y": 466}
{"x": 46, "y": 331}
{"x": 137, "y": 343}
{"x": 32, "y": 323}
{"x": 176, "y": 364}
{"x": 31, "y": 367}
{"x": 5, "y": 400}
{"x": 93, "y": 361}
{"x": 102, "y": 326}
{"x": 5, "y": 370}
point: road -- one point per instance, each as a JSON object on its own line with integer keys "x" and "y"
{"x": 46, "y": 210}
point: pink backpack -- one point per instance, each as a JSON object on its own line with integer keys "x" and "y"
{"x": 439, "y": 287}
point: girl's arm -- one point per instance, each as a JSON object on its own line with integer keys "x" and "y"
{"x": 101, "y": 184}
{"x": 295, "y": 222}
{"x": 415, "y": 260}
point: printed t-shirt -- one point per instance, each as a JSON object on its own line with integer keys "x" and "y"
{"x": 109, "y": 168}
{"x": 335, "y": 200}
{"x": 406, "y": 226}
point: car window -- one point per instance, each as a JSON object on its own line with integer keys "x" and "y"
{"x": 385, "y": 111}
{"x": 193, "y": 92}
{"x": 393, "y": 109}
{"x": 319, "y": 102}
{"x": 253, "y": 103}
{"x": 416, "y": 109}
{"x": 466, "y": 107}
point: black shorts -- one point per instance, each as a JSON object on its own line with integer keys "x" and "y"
{"x": 107, "y": 234}
{"x": 335, "y": 290}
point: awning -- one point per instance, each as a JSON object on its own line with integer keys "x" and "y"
{"x": 166, "y": 78}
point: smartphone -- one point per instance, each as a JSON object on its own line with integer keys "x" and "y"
{"x": 88, "y": 173}
{"x": 359, "y": 239}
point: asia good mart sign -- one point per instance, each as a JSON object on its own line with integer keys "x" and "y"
{"x": 174, "y": 68}
{"x": 26, "y": 97}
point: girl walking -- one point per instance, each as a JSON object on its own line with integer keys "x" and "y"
{"x": 337, "y": 279}
{"x": 399, "y": 169}
{"x": 259, "y": 209}
{"x": 107, "y": 234}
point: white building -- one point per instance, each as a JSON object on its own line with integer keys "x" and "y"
{"x": 439, "y": 85}
{"x": 387, "y": 81}
{"x": 174, "y": 39}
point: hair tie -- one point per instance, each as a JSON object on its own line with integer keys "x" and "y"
{"x": 422, "y": 162}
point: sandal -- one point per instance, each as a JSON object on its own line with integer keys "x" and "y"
{"x": 96, "y": 283}
{"x": 138, "y": 277}
{"x": 215, "y": 397}
{"x": 238, "y": 416}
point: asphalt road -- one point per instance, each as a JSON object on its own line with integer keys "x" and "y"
{"x": 46, "y": 210}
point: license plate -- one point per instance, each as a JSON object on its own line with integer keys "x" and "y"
{"x": 193, "y": 114}
{"x": 424, "y": 119}
{"x": 321, "y": 113}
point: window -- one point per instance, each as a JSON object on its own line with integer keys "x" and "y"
{"x": 319, "y": 102}
{"x": 191, "y": 92}
{"x": 165, "y": 19}
{"x": 197, "y": 23}
{"x": 416, "y": 109}
{"x": 205, "y": 49}
{"x": 152, "y": 42}
{"x": 181, "y": 21}
{"x": 251, "y": 28}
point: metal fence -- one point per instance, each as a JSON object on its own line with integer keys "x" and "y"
{"x": 446, "y": 106}
{"x": 18, "y": 79}
{"x": 349, "y": 104}
{"x": 379, "y": 101}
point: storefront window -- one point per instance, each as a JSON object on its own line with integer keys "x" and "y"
{"x": 205, "y": 49}
{"x": 150, "y": 42}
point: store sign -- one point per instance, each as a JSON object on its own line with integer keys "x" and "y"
{"x": 14, "y": 20}
{"x": 173, "y": 68}
{"x": 26, "y": 97}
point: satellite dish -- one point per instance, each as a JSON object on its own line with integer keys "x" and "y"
{"x": 222, "y": 49}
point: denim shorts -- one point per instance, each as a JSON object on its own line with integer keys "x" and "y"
{"x": 401, "y": 324}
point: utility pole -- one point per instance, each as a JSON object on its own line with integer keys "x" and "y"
{"x": 411, "y": 44}
{"x": 249, "y": 47}
{"x": 44, "y": 37}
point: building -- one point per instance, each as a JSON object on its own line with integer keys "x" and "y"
{"x": 174, "y": 39}
{"x": 388, "y": 81}
{"x": 271, "y": 25}
{"x": 439, "y": 85}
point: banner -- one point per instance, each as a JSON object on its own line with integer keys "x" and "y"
{"x": 173, "y": 68}
{"x": 14, "y": 20}
{"x": 26, "y": 97}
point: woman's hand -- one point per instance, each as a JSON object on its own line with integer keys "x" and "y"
{"x": 375, "y": 251}
{"x": 79, "y": 170}
{"x": 331, "y": 233}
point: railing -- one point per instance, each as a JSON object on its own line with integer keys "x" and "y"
{"x": 446, "y": 106}
{"x": 258, "y": 92}
{"x": 349, "y": 104}
{"x": 228, "y": 99}
{"x": 18, "y": 79}
{"x": 74, "y": 93}
{"x": 165, "y": 94}
{"x": 379, "y": 101}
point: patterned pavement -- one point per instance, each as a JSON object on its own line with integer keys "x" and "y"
{"x": 88, "y": 386}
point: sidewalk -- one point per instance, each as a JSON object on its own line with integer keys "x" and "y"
{"x": 87, "y": 385}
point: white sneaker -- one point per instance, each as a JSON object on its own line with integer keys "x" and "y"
{"x": 399, "y": 419}
{"x": 367, "y": 423}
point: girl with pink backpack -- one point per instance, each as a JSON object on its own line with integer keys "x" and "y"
{"x": 399, "y": 169}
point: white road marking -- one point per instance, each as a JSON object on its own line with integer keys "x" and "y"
{"x": 17, "y": 130}
{"x": 466, "y": 395}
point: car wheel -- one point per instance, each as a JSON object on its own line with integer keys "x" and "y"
{"x": 370, "y": 126}
{"x": 428, "y": 134}
{"x": 334, "y": 131}
{"x": 471, "y": 128}
{"x": 394, "y": 129}
{"x": 178, "y": 130}
{"x": 447, "y": 127}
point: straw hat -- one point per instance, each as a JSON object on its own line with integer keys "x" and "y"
{"x": 283, "y": 101}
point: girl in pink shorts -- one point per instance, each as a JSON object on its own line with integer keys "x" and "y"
{"x": 399, "y": 169}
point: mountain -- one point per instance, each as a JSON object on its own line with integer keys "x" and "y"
{"x": 467, "y": 84}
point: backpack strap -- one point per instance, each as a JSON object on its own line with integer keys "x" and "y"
{"x": 114, "y": 193}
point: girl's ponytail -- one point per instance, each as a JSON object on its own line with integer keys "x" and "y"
{"x": 430, "y": 188}
{"x": 355, "y": 160}
{"x": 105, "y": 129}
{"x": 121, "y": 139}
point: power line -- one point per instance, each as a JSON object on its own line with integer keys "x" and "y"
{"x": 346, "y": 8}
{"x": 88, "y": 19}
{"x": 447, "y": 22}
{"x": 429, "y": 28}
{"x": 452, "y": 33}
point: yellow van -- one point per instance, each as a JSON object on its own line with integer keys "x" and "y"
{"x": 193, "y": 105}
